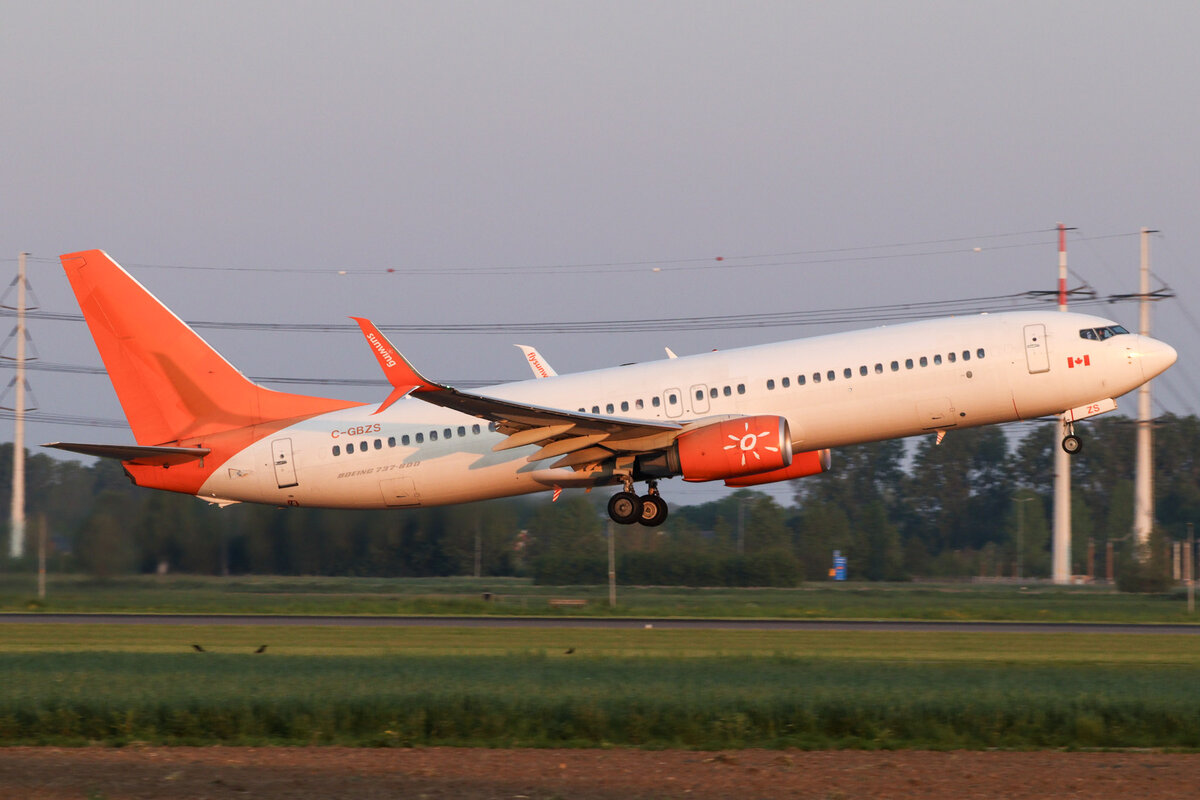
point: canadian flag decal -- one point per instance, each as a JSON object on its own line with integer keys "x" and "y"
{"x": 1076, "y": 361}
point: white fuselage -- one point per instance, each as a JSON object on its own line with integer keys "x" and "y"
{"x": 834, "y": 390}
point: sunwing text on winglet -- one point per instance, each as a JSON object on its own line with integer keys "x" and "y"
{"x": 745, "y": 416}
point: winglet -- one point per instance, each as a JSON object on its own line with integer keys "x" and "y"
{"x": 541, "y": 369}
{"x": 400, "y": 374}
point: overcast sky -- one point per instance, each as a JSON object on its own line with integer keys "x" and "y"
{"x": 468, "y": 146}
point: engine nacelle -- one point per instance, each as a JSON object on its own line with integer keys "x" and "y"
{"x": 735, "y": 447}
{"x": 812, "y": 462}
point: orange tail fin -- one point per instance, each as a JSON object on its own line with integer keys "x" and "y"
{"x": 172, "y": 385}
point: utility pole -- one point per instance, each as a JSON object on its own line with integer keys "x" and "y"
{"x": 612, "y": 568}
{"x": 1021, "y": 501}
{"x": 1143, "y": 487}
{"x": 16, "y": 540}
{"x": 1189, "y": 566}
{"x": 1061, "y": 550}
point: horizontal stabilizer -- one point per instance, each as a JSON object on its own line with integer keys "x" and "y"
{"x": 135, "y": 454}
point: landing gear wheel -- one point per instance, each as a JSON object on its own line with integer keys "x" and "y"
{"x": 1072, "y": 444}
{"x": 625, "y": 508}
{"x": 654, "y": 511}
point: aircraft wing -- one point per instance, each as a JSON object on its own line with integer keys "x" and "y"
{"x": 556, "y": 430}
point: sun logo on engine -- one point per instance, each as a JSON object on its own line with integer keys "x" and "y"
{"x": 748, "y": 443}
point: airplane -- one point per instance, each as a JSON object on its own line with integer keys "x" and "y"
{"x": 746, "y": 416}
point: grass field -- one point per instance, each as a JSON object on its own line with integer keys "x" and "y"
{"x": 74, "y": 684}
{"x": 512, "y": 596}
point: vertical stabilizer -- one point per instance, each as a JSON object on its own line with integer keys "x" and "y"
{"x": 172, "y": 385}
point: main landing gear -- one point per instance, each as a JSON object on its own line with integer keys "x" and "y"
{"x": 626, "y": 508}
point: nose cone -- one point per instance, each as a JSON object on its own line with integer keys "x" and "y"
{"x": 1155, "y": 356}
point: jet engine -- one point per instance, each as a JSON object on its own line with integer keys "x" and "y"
{"x": 735, "y": 447}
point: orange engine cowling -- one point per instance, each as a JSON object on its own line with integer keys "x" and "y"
{"x": 735, "y": 447}
{"x": 812, "y": 462}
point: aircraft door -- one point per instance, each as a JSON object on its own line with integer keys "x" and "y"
{"x": 1037, "y": 357}
{"x": 673, "y": 402}
{"x": 285, "y": 470}
{"x": 699, "y": 399}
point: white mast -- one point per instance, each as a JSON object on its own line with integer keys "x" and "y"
{"x": 1143, "y": 480}
{"x": 1061, "y": 562}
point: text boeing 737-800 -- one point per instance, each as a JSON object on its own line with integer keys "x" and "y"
{"x": 748, "y": 416}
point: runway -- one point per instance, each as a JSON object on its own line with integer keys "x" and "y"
{"x": 600, "y": 622}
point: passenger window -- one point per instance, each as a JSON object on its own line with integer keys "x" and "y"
{"x": 741, "y": 388}
{"x": 966, "y": 355}
{"x": 937, "y": 359}
{"x": 800, "y": 380}
{"x": 979, "y": 353}
{"x": 595, "y": 409}
{"x": 924, "y": 361}
{"x": 879, "y": 369}
{"x": 728, "y": 391}
{"x": 847, "y": 372}
{"x": 672, "y": 398}
{"x": 862, "y": 370}
{"x": 378, "y": 444}
{"x": 713, "y": 393}
{"x": 830, "y": 375}
{"x": 816, "y": 377}
{"x": 447, "y": 434}
{"x": 493, "y": 427}
{"x": 787, "y": 382}
{"x": 475, "y": 428}
{"x": 608, "y": 408}
{"x": 350, "y": 448}
{"x": 420, "y": 438}
{"x": 699, "y": 394}
{"x": 624, "y": 405}
{"x": 655, "y": 401}
{"x": 404, "y": 440}
{"x": 337, "y": 451}
{"x": 391, "y": 441}
{"x": 433, "y": 436}
{"x": 908, "y": 363}
{"x": 952, "y": 357}
{"x": 895, "y": 366}
{"x": 362, "y": 446}
{"x": 770, "y": 384}
{"x": 462, "y": 431}
{"x": 638, "y": 404}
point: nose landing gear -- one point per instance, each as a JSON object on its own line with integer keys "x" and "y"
{"x": 626, "y": 508}
{"x": 1071, "y": 443}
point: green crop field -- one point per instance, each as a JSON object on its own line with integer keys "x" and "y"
{"x": 513, "y": 596}
{"x": 117, "y": 684}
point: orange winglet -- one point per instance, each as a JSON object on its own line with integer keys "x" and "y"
{"x": 399, "y": 373}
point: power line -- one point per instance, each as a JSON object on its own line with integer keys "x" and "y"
{"x": 736, "y": 261}
{"x": 827, "y": 316}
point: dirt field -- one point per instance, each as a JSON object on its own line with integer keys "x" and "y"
{"x": 329, "y": 772}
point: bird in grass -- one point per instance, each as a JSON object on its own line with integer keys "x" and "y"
{"x": 262, "y": 648}
{"x": 199, "y": 649}
{"x": 569, "y": 651}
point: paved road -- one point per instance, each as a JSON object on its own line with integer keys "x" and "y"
{"x": 592, "y": 622}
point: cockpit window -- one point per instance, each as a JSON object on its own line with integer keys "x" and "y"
{"x": 1095, "y": 334}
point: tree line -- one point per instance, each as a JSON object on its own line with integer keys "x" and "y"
{"x": 979, "y": 503}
